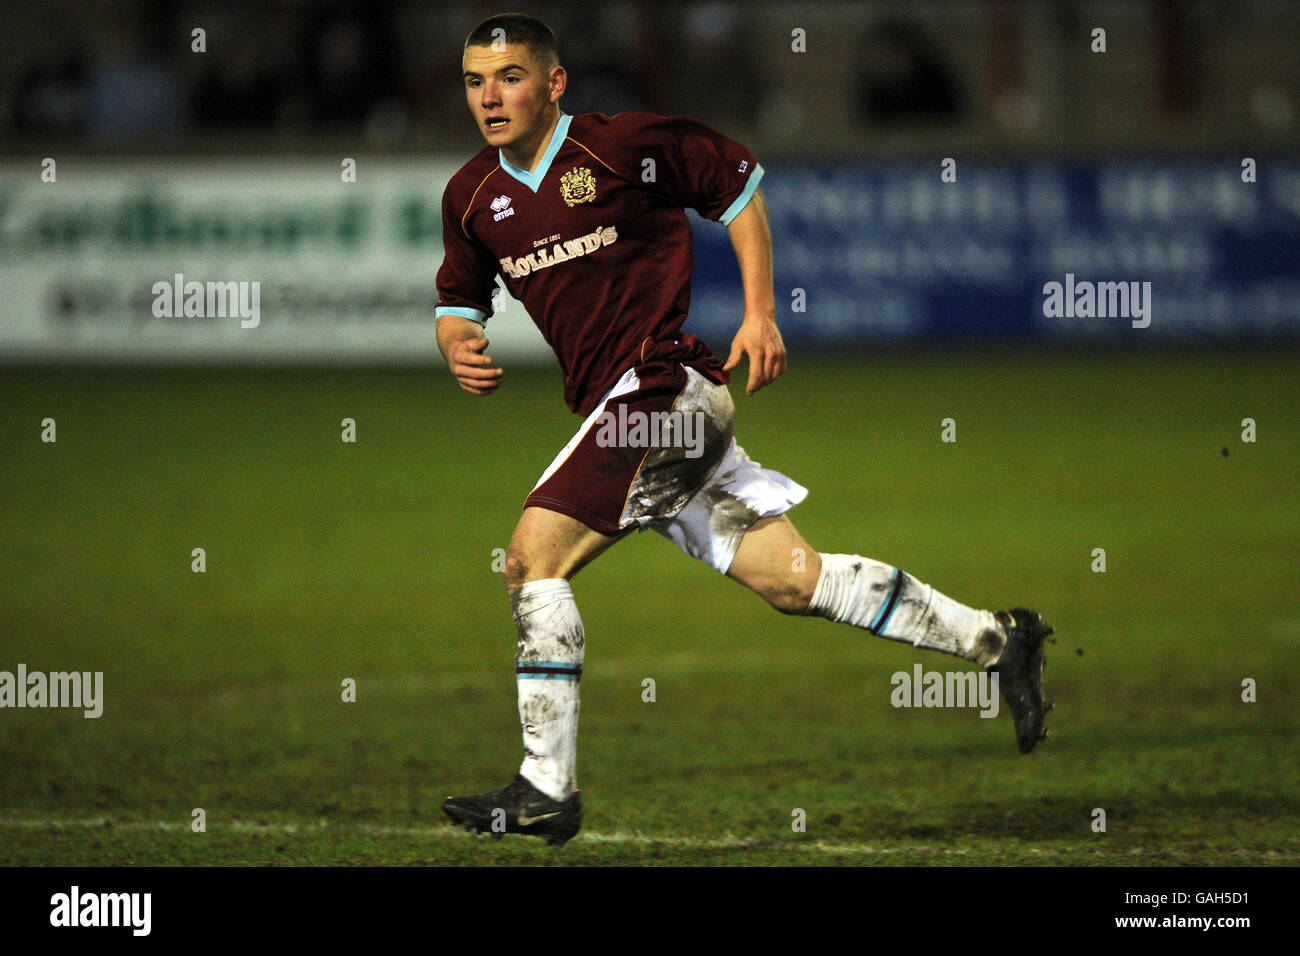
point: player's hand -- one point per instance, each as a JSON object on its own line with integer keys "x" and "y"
{"x": 760, "y": 339}
{"x": 474, "y": 370}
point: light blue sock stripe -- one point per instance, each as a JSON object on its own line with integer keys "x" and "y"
{"x": 572, "y": 677}
{"x": 891, "y": 602}
{"x": 568, "y": 670}
{"x": 566, "y": 664}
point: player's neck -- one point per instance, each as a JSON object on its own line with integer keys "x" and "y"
{"x": 528, "y": 157}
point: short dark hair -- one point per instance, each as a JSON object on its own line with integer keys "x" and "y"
{"x": 522, "y": 29}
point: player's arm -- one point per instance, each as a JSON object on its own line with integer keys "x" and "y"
{"x": 701, "y": 169}
{"x": 462, "y": 343}
{"x": 758, "y": 337}
{"x": 465, "y": 284}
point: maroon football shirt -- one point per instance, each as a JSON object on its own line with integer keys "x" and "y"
{"x": 595, "y": 243}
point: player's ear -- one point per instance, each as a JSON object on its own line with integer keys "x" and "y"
{"x": 559, "y": 79}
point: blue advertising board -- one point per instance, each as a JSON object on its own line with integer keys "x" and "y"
{"x": 1203, "y": 249}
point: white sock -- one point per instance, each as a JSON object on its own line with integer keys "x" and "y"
{"x": 548, "y": 666}
{"x": 890, "y": 603}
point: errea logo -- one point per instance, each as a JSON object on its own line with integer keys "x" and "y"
{"x": 501, "y": 206}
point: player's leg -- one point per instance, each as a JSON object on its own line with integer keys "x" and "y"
{"x": 547, "y": 544}
{"x": 578, "y": 509}
{"x": 597, "y": 489}
{"x": 546, "y": 550}
{"x": 776, "y": 562}
{"x": 769, "y": 556}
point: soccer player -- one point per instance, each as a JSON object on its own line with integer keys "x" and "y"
{"x": 582, "y": 218}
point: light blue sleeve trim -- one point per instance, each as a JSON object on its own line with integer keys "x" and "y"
{"x": 745, "y": 196}
{"x": 475, "y": 315}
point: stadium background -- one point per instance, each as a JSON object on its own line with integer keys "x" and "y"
{"x": 905, "y": 300}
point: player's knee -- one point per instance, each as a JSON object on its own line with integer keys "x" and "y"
{"x": 516, "y": 568}
{"x": 789, "y": 595}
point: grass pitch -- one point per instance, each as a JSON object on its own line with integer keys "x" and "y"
{"x": 374, "y": 561}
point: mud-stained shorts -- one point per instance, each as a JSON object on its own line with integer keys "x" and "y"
{"x": 685, "y": 478}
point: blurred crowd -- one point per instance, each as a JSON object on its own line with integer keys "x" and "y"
{"x": 139, "y": 70}
{"x": 135, "y": 71}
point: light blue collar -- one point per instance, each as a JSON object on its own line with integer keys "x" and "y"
{"x": 534, "y": 179}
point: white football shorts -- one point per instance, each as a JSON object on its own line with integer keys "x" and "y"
{"x": 738, "y": 493}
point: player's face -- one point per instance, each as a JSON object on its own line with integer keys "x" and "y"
{"x": 510, "y": 95}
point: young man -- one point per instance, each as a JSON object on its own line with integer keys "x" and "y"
{"x": 582, "y": 217}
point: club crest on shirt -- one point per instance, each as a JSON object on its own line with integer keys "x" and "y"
{"x": 578, "y": 185}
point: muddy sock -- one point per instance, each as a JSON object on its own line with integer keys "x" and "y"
{"x": 890, "y": 603}
{"x": 548, "y": 666}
